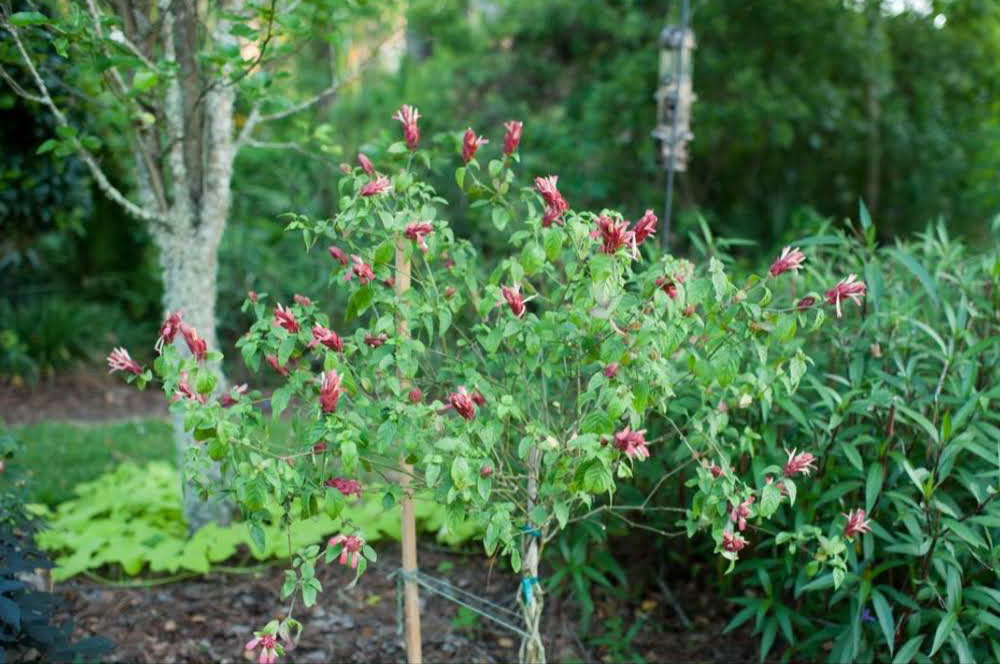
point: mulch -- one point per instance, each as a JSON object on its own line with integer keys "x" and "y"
{"x": 83, "y": 395}
{"x": 210, "y": 618}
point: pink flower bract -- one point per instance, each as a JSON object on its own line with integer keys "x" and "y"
{"x": 512, "y": 138}
{"x": 408, "y": 116}
{"x": 120, "y": 360}
{"x": 470, "y": 144}
{"x": 849, "y": 288}
{"x": 790, "y": 259}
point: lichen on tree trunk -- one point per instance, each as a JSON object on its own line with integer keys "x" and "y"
{"x": 189, "y": 274}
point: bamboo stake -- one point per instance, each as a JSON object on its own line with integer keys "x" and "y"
{"x": 411, "y": 598}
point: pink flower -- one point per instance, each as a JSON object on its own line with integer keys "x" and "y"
{"x": 512, "y": 294}
{"x": 805, "y": 303}
{"x": 169, "y": 330}
{"x": 195, "y": 344}
{"x": 408, "y": 116}
{"x": 716, "y": 470}
{"x": 448, "y": 263}
{"x": 252, "y": 296}
{"x": 614, "y": 234}
{"x": 269, "y": 647}
{"x": 338, "y": 254}
{"x": 856, "y": 523}
{"x": 478, "y": 399}
{"x": 120, "y": 360}
{"x": 366, "y": 164}
{"x": 449, "y": 292}
{"x": 790, "y": 259}
{"x": 486, "y": 470}
{"x": 668, "y": 286}
{"x": 373, "y": 341}
{"x": 849, "y": 288}
{"x": 389, "y": 281}
{"x": 513, "y": 137}
{"x": 732, "y": 542}
{"x": 347, "y": 487}
{"x": 378, "y": 186}
{"x": 184, "y": 391}
{"x": 645, "y": 227}
{"x": 415, "y": 395}
{"x": 285, "y": 318}
{"x": 328, "y": 338}
{"x": 330, "y": 391}
{"x": 302, "y": 300}
{"x": 417, "y": 231}
{"x": 462, "y": 402}
{"x": 555, "y": 204}
{"x": 360, "y": 268}
{"x": 227, "y": 399}
{"x": 471, "y": 143}
{"x": 319, "y": 447}
{"x": 799, "y": 463}
{"x": 351, "y": 547}
{"x": 739, "y": 515}
{"x": 611, "y": 370}
{"x": 280, "y": 368}
{"x": 632, "y": 443}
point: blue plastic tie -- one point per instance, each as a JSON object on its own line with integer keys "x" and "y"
{"x": 531, "y": 530}
{"x": 526, "y": 584}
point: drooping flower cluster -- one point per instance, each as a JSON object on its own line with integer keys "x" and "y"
{"x": 351, "y": 548}
{"x": 195, "y": 343}
{"x": 417, "y": 231}
{"x": 366, "y": 164}
{"x": 272, "y": 360}
{"x": 184, "y": 391}
{"x": 733, "y": 542}
{"x": 326, "y": 337}
{"x": 512, "y": 138}
{"x": 375, "y": 340}
{"x": 790, "y": 259}
{"x": 555, "y": 204}
{"x": 610, "y": 370}
{"x": 408, "y": 116}
{"x": 741, "y": 513}
{"x": 470, "y": 144}
{"x": 228, "y": 399}
{"x": 849, "y": 288}
{"x": 614, "y": 234}
{"x": 169, "y": 330}
{"x": 632, "y": 443}
{"x": 360, "y": 268}
{"x": 463, "y": 403}
{"x": 330, "y": 391}
{"x": 802, "y": 463}
{"x": 378, "y": 186}
{"x": 857, "y": 524}
{"x": 345, "y": 486}
{"x": 270, "y": 649}
{"x": 286, "y": 319}
{"x": 120, "y": 360}
{"x": 338, "y": 254}
{"x": 645, "y": 227}
{"x": 514, "y": 299}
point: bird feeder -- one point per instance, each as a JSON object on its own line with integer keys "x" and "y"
{"x": 674, "y": 96}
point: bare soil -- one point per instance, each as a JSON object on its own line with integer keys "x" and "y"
{"x": 86, "y": 395}
{"x": 210, "y": 619}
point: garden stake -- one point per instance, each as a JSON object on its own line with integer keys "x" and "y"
{"x": 532, "y": 649}
{"x": 411, "y": 598}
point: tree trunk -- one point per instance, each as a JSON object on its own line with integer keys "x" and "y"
{"x": 190, "y": 267}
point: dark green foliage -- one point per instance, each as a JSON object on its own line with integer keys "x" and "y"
{"x": 27, "y": 627}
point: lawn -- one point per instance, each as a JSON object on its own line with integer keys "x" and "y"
{"x": 59, "y": 455}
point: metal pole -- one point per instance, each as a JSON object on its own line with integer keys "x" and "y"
{"x": 678, "y": 75}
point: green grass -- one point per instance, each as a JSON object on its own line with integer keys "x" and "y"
{"x": 59, "y": 455}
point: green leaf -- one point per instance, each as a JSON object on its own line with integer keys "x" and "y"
{"x": 863, "y": 216}
{"x": 770, "y": 500}
{"x": 873, "y": 486}
{"x": 460, "y": 177}
{"x": 47, "y": 146}
{"x": 279, "y": 400}
{"x": 500, "y": 218}
{"x": 23, "y": 19}
{"x": 399, "y": 147}
{"x": 908, "y": 650}
{"x": 884, "y": 614}
{"x": 943, "y": 630}
{"x": 359, "y": 303}
{"x": 918, "y": 270}
{"x": 285, "y": 349}
{"x": 966, "y": 533}
{"x": 144, "y": 80}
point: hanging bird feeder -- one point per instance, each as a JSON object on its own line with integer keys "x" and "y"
{"x": 674, "y": 97}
